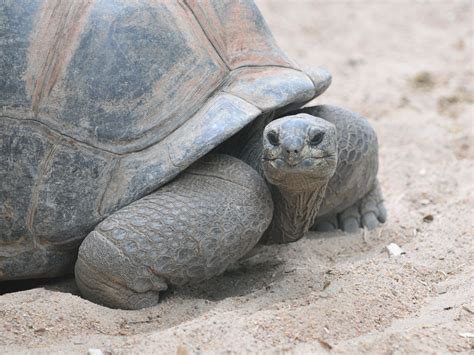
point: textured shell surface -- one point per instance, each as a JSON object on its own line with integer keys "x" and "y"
{"x": 104, "y": 101}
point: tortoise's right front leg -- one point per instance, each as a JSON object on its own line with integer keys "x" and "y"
{"x": 189, "y": 230}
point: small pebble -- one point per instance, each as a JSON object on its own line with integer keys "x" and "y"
{"x": 95, "y": 352}
{"x": 428, "y": 218}
{"x": 325, "y": 344}
{"x": 40, "y": 331}
{"x": 394, "y": 250}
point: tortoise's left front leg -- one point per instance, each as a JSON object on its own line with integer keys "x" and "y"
{"x": 368, "y": 212}
{"x": 353, "y": 197}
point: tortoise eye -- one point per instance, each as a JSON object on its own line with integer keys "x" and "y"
{"x": 272, "y": 137}
{"x": 317, "y": 138}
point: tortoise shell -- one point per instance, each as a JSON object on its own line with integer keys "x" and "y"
{"x": 104, "y": 101}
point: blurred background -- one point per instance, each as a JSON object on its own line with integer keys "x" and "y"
{"x": 382, "y": 52}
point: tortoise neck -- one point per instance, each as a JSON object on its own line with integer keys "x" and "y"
{"x": 294, "y": 212}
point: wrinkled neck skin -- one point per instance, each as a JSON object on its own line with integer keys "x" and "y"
{"x": 296, "y": 204}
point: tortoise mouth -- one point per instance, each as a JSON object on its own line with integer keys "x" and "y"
{"x": 280, "y": 171}
{"x": 299, "y": 165}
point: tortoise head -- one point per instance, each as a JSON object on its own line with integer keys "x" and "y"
{"x": 299, "y": 152}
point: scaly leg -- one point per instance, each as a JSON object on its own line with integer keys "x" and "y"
{"x": 189, "y": 230}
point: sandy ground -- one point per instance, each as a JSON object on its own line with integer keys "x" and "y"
{"x": 406, "y": 65}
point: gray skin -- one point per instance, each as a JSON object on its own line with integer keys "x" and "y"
{"x": 220, "y": 208}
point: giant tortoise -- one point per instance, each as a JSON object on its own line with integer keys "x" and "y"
{"x": 168, "y": 138}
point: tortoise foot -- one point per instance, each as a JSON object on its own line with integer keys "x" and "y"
{"x": 369, "y": 212}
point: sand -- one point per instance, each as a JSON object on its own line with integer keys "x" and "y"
{"x": 407, "y": 66}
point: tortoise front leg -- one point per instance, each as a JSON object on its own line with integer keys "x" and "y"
{"x": 353, "y": 197}
{"x": 189, "y": 230}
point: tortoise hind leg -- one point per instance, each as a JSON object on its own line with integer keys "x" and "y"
{"x": 189, "y": 230}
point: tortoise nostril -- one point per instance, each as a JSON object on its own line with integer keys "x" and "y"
{"x": 292, "y": 146}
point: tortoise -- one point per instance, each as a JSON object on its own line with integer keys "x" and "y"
{"x": 166, "y": 139}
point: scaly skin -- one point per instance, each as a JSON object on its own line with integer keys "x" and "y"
{"x": 190, "y": 229}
